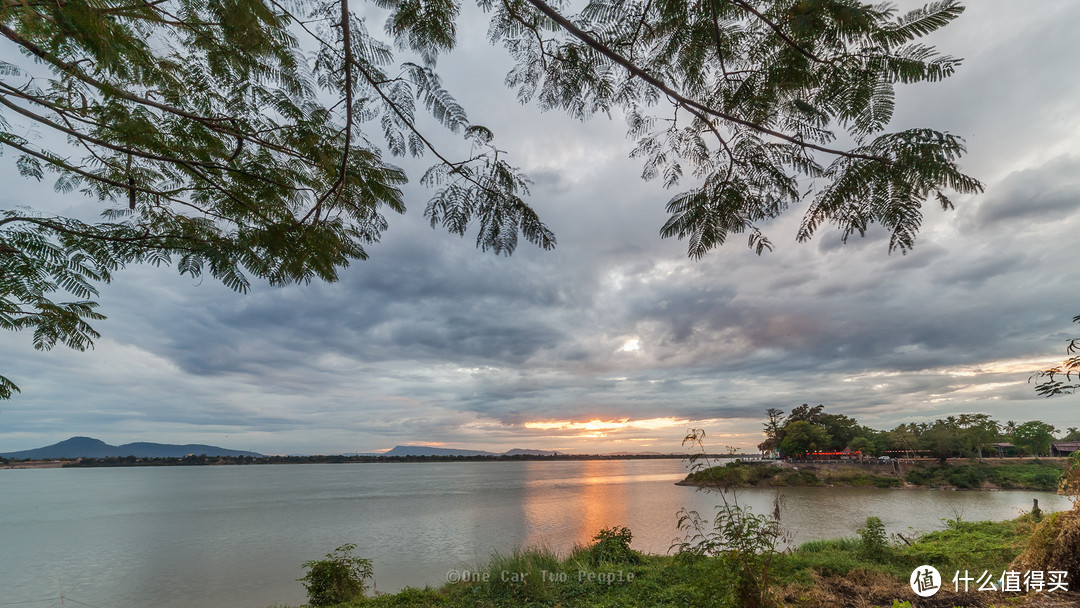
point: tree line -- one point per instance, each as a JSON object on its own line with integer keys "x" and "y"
{"x": 809, "y": 429}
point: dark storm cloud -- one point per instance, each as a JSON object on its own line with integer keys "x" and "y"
{"x": 427, "y": 311}
{"x": 1046, "y": 193}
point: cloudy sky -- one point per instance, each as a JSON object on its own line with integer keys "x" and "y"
{"x": 615, "y": 340}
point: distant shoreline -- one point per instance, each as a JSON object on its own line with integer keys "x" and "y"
{"x": 263, "y": 460}
{"x": 47, "y": 464}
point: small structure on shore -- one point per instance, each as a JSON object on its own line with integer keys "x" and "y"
{"x": 1064, "y": 448}
{"x": 845, "y": 454}
{"x": 1004, "y": 449}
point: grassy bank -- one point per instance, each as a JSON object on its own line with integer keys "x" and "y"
{"x": 1026, "y": 475}
{"x": 862, "y": 571}
{"x": 744, "y": 475}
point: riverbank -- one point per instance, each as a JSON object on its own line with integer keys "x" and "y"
{"x": 858, "y": 572}
{"x": 999, "y": 474}
{"x": 32, "y": 464}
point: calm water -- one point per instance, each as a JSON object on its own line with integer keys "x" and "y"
{"x": 192, "y": 537}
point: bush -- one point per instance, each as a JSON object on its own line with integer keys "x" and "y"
{"x": 887, "y": 482}
{"x": 745, "y": 543}
{"x": 613, "y": 547}
{"x": 1069, "y": 484}
{"x": 919, "y": 477}
{"x": 875, "y": 542}
{"x": 341, "y": 577}
{"x": 963, "y": 477}
{"x": 1054, "y": 545}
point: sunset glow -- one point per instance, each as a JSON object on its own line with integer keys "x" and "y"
{"x": 607, "y": 425}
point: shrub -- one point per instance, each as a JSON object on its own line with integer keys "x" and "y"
{"x": 341, "y": 577}
{"x": 1054, "y": 545}
{"x": 875, "y": 542}
{"x": 613, "y": 547}
{"x": 965, "y": 476}
{"x": 887, "y": 482}
{"x": 919, "y": 476}
{"x": 1069, "y": 485}
{"x": 746, "y": 543}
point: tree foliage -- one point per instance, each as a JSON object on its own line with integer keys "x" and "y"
{"x": 978, "y": 431}
{"x": 1034, "y": 437}
{"x": 971, "y": 435}
{"x": 773, "y": 425}
{"x": 248, "y": 138}
{"x": 1061, "y": 379}
{"x": 1070, "y": 481}
{"x": 802, "y": 437}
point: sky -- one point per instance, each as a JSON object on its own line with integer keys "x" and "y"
{"x": 614, "y": 341}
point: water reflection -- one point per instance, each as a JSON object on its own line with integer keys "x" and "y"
{"x": 193, "y": 537}
{"x": 571, "y": 508}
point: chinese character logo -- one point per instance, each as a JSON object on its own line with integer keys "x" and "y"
{"x": 925, "y": 581}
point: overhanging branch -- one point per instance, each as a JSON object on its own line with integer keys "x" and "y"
{"x": 683, "y": 100}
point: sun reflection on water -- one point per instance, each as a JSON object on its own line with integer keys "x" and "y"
{"x": 599, "y": 495}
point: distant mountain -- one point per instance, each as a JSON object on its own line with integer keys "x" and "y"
{"x": 88, "y": 447}
{"x": 424, "y": 450}
{"x": 143, "y": 449}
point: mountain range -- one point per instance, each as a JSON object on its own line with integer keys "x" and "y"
{"x": 424, "y": 450}
{"x": 88, "y": 447}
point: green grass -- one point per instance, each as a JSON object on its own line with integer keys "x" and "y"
{"x": 538, "y": 578}
{"x": 735, "y": 474}
{"x": 739, "y": 474}
{"x": 1030, "y": 475}
{"x": 962, "y": 545}
{"x": 662, "y": 581}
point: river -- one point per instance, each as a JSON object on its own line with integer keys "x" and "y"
{"x": 193, "y": 537}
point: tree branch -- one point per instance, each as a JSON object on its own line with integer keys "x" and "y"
{"x": 634, "y": 70}
{"x": 72, "y": 69}
{"x": 84, "y": 137}
{"x": 104, "y": 237}
{"x": 779, "y": 32}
